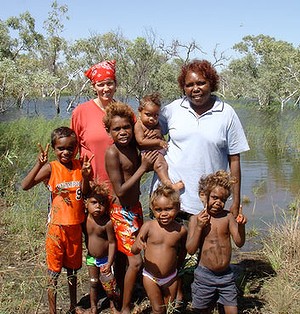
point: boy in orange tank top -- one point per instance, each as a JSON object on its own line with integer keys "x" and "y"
{"x": 67, "y": 179}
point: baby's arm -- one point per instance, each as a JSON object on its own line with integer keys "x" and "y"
{"x": 237, "y": 228}
{"x": 115, "y": 173}
{"x": 111, "y": 247}
{"x": 40, "y": 171}
{"x": 196, "y": 225}
{"x": 146, "y": 142}
{"x": 141, "y": 240}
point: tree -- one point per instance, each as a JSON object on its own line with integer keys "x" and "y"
{"x": 15, "y": 53}
{"x": 54, "y": 44}
{"x": 6, "y": 41}
{"x": 28, "y": 39}
{"x": 268, "y": 72}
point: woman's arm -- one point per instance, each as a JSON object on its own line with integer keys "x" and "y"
{"x": 235, "y": 170}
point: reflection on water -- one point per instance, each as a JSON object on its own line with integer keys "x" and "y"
{"x": 268, "y": 197}
{"x": 270, "y": 178}
{"x": 43, "y": 107}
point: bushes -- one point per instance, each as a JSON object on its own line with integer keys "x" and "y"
{"x": 18, "y": 149}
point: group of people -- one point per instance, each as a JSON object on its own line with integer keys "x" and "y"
{"x": 99, "y": 194}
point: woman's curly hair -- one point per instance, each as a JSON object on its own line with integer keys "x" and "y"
{"x": 203, "y": 67}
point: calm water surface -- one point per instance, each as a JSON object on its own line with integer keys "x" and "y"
{"x": 269, "y": 184}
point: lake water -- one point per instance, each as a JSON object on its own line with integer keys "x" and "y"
{"x": 270, "y": 183}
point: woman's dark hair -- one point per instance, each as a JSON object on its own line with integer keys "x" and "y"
{"x": 203, "y": 67}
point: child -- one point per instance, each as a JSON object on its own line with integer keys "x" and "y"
{"x": 210, "y": 231}
{"x": 65, "y": 178}
{"x": 101, "y": 245}
{"x": 163, "y": 241}
{"x": 125, "y": 169}
{"x": 148, "y": 136}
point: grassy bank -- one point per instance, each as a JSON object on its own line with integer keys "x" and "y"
{"x": 23, "y": 216}
{"x": 282, "y": 249}
{"x": 268, "y": 280}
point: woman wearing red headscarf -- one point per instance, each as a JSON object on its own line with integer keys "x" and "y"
{"x": 87, "y": 117}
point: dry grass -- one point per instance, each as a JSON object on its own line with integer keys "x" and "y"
{"x": 282, "y": 248}
{"x": 269, "y": 283}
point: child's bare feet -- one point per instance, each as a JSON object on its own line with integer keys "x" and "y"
{"x": 113, "y": 309}
{"x": 177, "y": 186}
{"x": 80, "y": 310}
{"x": 126, "y": 310}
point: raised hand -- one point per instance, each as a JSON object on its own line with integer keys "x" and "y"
{"x": 241, "y": 219}
{"x": 43, "y": 155}
{"x": 86, "y": 166}
{"x": 203, "y": 218}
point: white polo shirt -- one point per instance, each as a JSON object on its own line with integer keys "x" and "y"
{"x": 199, "y": 145}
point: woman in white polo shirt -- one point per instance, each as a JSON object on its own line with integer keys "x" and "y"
{"x": 205, "y": 135}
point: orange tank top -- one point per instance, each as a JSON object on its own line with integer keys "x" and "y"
{"x": 67, "y": 207}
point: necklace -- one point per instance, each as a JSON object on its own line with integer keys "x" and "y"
{"x": 99, "y": 104}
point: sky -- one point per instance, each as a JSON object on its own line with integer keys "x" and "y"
{"x": 218, "y": 23}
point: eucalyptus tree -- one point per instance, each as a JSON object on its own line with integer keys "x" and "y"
{"x": 16, "y": 52}
{"x": 85, "y": 52}
{"x": 143, "y": 62}
{"x": 52, "y": 52}
{"x": 54, "y": 44}
{"x": 5, "y": 41}
{"x": 141, "y": 67}
{"x": 27, "y": 38}
{"x": 268, "y": 71}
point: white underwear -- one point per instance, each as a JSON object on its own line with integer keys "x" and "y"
{"x": 160, "y": 281}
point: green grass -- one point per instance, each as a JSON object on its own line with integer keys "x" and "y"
{"x": 23, "y": 222}
{"x": 19, "y": 151}
{"x": 23, "y": 216}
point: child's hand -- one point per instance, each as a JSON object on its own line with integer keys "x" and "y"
{"x": 43, "y": 156}
{"x": 141, "y": 243}
{"x": 151, "y": 134}
{"x": 241, "y": 219}
{"x": 203, "y": 218}
{"x": 86, "y": 166}
{"x": 106, "y": 269}
{"x": 148, "y": 159}
{"x": 164, "y": 144}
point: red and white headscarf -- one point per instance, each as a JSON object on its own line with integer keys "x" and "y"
{"x": 101, "y": 71}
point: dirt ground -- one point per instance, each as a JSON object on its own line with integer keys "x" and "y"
{"x": 250, "y": 267}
